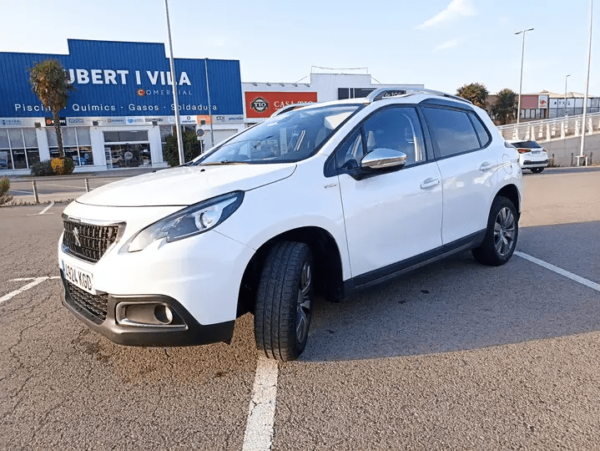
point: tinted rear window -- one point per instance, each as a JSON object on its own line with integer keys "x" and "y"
{"x": 527, "y": 145}
{"x": 452, "y": 130}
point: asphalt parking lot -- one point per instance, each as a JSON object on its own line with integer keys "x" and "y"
{"x": 452, "y": 356}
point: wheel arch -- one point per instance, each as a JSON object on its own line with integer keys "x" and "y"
{"x": 326, "y": 256}
{"x": 511, "y": 192}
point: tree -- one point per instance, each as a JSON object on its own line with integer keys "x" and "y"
{"x": 50, "y": 83}
{"x": 191, "y": 148}
{"x": 504, "y": 109}
{"x": 476, "y": 93}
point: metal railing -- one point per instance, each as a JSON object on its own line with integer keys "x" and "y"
{"x": 60, "y": 188}
{"x": 551, "y": 129}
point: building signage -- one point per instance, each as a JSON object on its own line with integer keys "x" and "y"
{"x": 123, "y": 79}
{"x": 220, "y": 119}
{"x": 543, "y": 102}
{"x": 264, "y": 104}
{"x": 49, "y": 121}
{"x": 20, "y": 122}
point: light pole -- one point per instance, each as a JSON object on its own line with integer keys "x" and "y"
{"x": 587, "y": 85}
{"x": 174, "y": 88}
{"x": 523, "y": 32}
{"x": 566, "y": 80}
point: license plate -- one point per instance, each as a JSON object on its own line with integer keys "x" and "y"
{"x": 78, "y": 277}
{"x": 536, "y": 151}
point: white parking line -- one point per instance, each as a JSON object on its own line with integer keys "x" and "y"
{"x": 18, "y": 191}
{"x": 562, "y": 272}
{"x": 23, "y": 279}
{"x": 9, "y": 296}
{"x": 47, "y": 208}
{"x": 261, "y": 416}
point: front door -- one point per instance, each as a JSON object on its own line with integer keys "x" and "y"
{"x": 392, "y": 216}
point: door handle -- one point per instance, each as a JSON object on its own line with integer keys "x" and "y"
{"x": 430, "y": 183}
{"x": 485, "y": 166}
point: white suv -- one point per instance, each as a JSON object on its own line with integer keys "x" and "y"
{"x": 326, "y": 199}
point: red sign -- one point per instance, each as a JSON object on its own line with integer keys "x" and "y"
{"x": 264, "y": 104}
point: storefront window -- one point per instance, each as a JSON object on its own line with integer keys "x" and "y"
{"x": 165, "y": 132}
{"x": 122, "y": 150}
{"x": 125, "y": 136}
{"x": 18, "y": 148}
{"x": 76, "y": 144}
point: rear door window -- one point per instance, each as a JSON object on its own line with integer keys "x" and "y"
{"x": 452, "y": 131}
{"x": 482, "y": 133}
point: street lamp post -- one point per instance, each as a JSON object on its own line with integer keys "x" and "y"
{"x": 566, "y": 80}
{"x": 523, "y": 32}
{"x": 174, "y": 89}
{"x": 587, "y": 85}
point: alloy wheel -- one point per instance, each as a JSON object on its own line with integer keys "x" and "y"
{"x": 504, "y": 232}
{"x": 304, "y": 303}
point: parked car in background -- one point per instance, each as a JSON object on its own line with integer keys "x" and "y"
{"x": 532, "y": 156}
{"x": 326, "y": 199}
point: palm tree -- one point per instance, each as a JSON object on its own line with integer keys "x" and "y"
{"x": 476, "y": 93}
{"x": 50, "y": 83}
{"x": 504, "y": 109}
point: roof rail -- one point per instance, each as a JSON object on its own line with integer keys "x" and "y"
{"x": 396, "y": 91}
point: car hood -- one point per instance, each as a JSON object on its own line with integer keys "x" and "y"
{"x": 186, "y": 185}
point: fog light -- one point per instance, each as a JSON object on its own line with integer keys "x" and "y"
{"x": 146, "y": 314}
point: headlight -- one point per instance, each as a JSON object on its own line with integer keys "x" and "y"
{"x": 188, "y": 222}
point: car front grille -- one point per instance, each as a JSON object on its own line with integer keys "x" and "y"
{"x": 93, "y": 307}
{"x": 88, "y": 241}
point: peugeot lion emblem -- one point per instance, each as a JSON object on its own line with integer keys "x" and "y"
{"x": 76, "y": 235}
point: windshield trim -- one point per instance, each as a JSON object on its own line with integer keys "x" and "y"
{"x": 360, "y": 106}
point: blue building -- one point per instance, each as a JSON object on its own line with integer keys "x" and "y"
{"x": 122, "y": 108}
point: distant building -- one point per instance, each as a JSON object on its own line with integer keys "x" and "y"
{"x": 263, "y": 99}
{"x": 122, "y": 109}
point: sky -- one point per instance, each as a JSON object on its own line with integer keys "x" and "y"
{"x": 443, "y": 44}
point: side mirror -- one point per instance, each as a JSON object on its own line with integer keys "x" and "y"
{"x": 383, "y": 158}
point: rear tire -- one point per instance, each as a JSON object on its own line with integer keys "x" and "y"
{"x": 284, "y": 301}
{"x": 501, "y": 236}
{"x": 536, "y": 170}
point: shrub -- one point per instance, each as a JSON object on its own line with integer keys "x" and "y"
{"x": 62, "y": 166}
{"x": 191, "y": 148}
{"x": 4, "y": 187}
{"x": 42, "y": 168}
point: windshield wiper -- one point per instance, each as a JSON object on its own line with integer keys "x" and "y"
{"x": 217, "y": 163}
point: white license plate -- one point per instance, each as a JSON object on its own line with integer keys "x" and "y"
{"x": 536, "y": 152}
{"x": 79, "y": 277}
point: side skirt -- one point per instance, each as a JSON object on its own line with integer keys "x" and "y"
{"x": 364, "y": 281}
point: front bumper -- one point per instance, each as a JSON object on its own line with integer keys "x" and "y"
{"x": 186, "y": 332}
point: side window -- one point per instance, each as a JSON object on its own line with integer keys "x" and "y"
{"x": 452, "y": 131}
{"x": 484, "y": 136}
{"x": 351, "y": 152}
{"x": 392, "y": 128}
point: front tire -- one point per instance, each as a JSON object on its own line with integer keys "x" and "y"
{"x": 284, "y": 301}
{"x": 501, "y": 235}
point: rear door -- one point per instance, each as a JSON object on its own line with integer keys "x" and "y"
{"x": 468, "y": 165}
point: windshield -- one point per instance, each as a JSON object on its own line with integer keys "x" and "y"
{"x": 290, "y": 137}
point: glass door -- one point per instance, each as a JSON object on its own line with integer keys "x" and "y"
{"x": 128, "y": 155}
